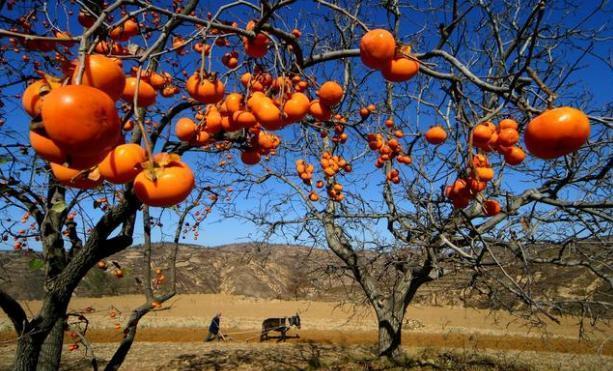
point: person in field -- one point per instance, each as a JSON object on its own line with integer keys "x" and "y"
{"x": 214, "y": 330}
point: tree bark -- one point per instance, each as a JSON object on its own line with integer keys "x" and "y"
{"x": 389, "y": 320}
{"x": 28, "y": 350}
{"x": 57, "y": 298}
{"x": 51, "y": 351}
{"x": 390, "y": 311}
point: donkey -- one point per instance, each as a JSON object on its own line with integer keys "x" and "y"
{"x": 281, "y": 325}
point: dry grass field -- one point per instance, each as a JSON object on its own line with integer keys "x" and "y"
{"x": 333, "y": 335}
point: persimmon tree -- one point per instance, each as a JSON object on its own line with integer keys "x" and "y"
{"x": 117, "y": 92}
{"x": 77, "y": 82}
{"x": 465, "y": 148}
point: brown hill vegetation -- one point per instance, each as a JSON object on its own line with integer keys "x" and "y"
{"x": 265, "y": 271}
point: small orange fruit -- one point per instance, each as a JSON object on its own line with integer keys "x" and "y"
{"x": 80, "y": 119}
{"x": 168, "y": 184}
{"x": 122, "y": 164}
{"x": 250, "y": 157}
{"x": 436, "y": 135}
{"x": 514, "y": 156}
{"x": 46, "y": 148}
{"x": 319, "y": 111}
{"x": 330, "y": 93}
{"x": 185, "y": 129}
{"x": 557, "y": 132}
{"x": 508, "y": 124}
{"x": 485, "y": 173}
{"x": 400, "y": 69}
{"x": 491, "y": 207}
{"x": 146, "y": 92}
{"x": 103, "y": 73}
{"x": 482, "y": 133}
{"x": 72, "y": 177}
{"x": 296, "y": 107}
{"x": 377, "y": 47}
{"x": 205, "y": 91}
{"x": 508, "y": 137}
{"x": 32, "y": 99}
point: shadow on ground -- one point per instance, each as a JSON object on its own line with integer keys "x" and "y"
{"x": 327, "y": 357}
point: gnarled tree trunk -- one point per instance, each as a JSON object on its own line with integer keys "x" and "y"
{"x": 389, "y": 320}
{"x": 48, "y": 324}
{"x": 390, "y": 306}
{"x": 28, "y": 350}
{"x": 51, "y": 351}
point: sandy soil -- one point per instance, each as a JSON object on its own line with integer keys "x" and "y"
{"x": 195, "y": 311}
{"x": 178, "y": 328}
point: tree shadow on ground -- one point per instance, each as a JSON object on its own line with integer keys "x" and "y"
{"x": 311, "y": 356}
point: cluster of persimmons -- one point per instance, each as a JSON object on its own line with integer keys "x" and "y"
{"x": 76, "y": 125}
{"x": 554, "y": 133}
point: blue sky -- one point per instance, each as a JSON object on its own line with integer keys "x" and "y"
{"x": 593, "y": 76}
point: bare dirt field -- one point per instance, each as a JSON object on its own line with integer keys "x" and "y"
{"x": 332, "y": 336}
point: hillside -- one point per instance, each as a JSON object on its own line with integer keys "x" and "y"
{"x": 256, "y": 270}
{"x": 261, "y": 271}
{"x": 267, "y": 271}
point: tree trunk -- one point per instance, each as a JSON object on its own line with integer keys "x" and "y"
{"x": 28, "y": 350}
{"x": 51, "y": 351}
{"x": 47, "y": 329}
{"x": 390, "y": 331}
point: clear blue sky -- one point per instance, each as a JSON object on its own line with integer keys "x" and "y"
{"x": 595, "y": 75}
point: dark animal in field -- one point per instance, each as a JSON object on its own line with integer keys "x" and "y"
{"x": 281, "y": 325}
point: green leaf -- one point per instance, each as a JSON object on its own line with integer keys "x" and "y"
{"x": 58, "y": 207}
{"x": 36, "y": 264}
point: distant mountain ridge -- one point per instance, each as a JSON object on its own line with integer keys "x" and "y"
{"x": 251, "y": 269}
{"x": 256, "y": 270}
